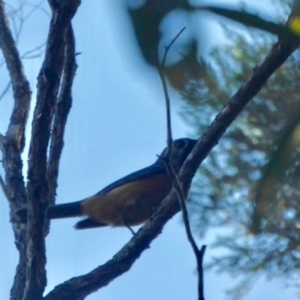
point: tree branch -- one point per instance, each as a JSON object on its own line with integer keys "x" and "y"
{"x": 62, "y": 109}
{"x": 38, "y": 191}
{"x": 160, "y": 68}
{"x": 20, "y": 85}
{"x": 173, "y": 176}
{"x": 79, "y": 287}
{"x": 13, "y": 143}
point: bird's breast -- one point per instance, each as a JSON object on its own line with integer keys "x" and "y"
{"x": 132, "y": 203}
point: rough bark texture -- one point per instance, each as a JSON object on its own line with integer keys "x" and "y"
{"x": 38, "y": 190}
{"x": 51, "y": 110}
{"x": 12, "y": 143}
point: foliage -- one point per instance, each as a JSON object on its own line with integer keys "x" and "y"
{"x": 246, "y": 185}
{"x": 227, "y": 183}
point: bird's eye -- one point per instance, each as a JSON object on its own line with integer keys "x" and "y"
{"x": 179, "y": 143}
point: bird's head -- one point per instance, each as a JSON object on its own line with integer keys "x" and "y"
{"x": 181, "y": 148}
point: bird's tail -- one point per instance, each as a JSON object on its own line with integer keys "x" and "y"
{"x": 67, "y": 210}
{"x": 88, "y": 223}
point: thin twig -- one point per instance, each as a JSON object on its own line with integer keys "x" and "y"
{"x": 18, "y": 13}
{"x": 39, "y": 49}
{"x": 34, "y": 8}
{"x": 160, "y": 68}
{"x": 41, "y": 8}
{"x": 5, "y": 90}
{"x": 27, "y": 55}
{"x": 168, "y": 47}
{"x": 198, "y": 253}
{"x": 181, "y": 199}
{"x": 174, "y": 178}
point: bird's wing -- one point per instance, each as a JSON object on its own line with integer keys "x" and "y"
{"x": 155, "y": 169}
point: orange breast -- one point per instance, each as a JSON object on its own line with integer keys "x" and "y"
{"x": 132, "y": 203}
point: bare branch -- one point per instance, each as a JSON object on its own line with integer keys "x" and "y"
{"x": 30, "y": 53}
{"x": 19, "y": 82}
{"x": 35, "y": 7}
{"x": 13, "y": 143}
{"x": 181, "y": 196}
{"x": 18, "y": 17}
{"x": 38, "y": 188}
{"x": 79, "y": 287}
{"x": 62, "y": 109}
{"x": 33, "y": 53}
{"x": 40, "y": 7}
{"x": 168, "y": 47}
{"x": 160, "y": 68}
{"x": 174, "y": 178}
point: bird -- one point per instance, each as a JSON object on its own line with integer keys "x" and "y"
{"x": 128, "y": 201}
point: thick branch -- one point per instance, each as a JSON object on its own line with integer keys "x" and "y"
{"x": 62, "y": 109}
{"x": 19, "y": 82}
{"x": 13, "y": 143}
{"x": 79, "y": 287}
{"x": 37, "y": 188}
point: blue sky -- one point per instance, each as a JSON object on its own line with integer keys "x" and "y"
{"x": 116, "y": 126}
